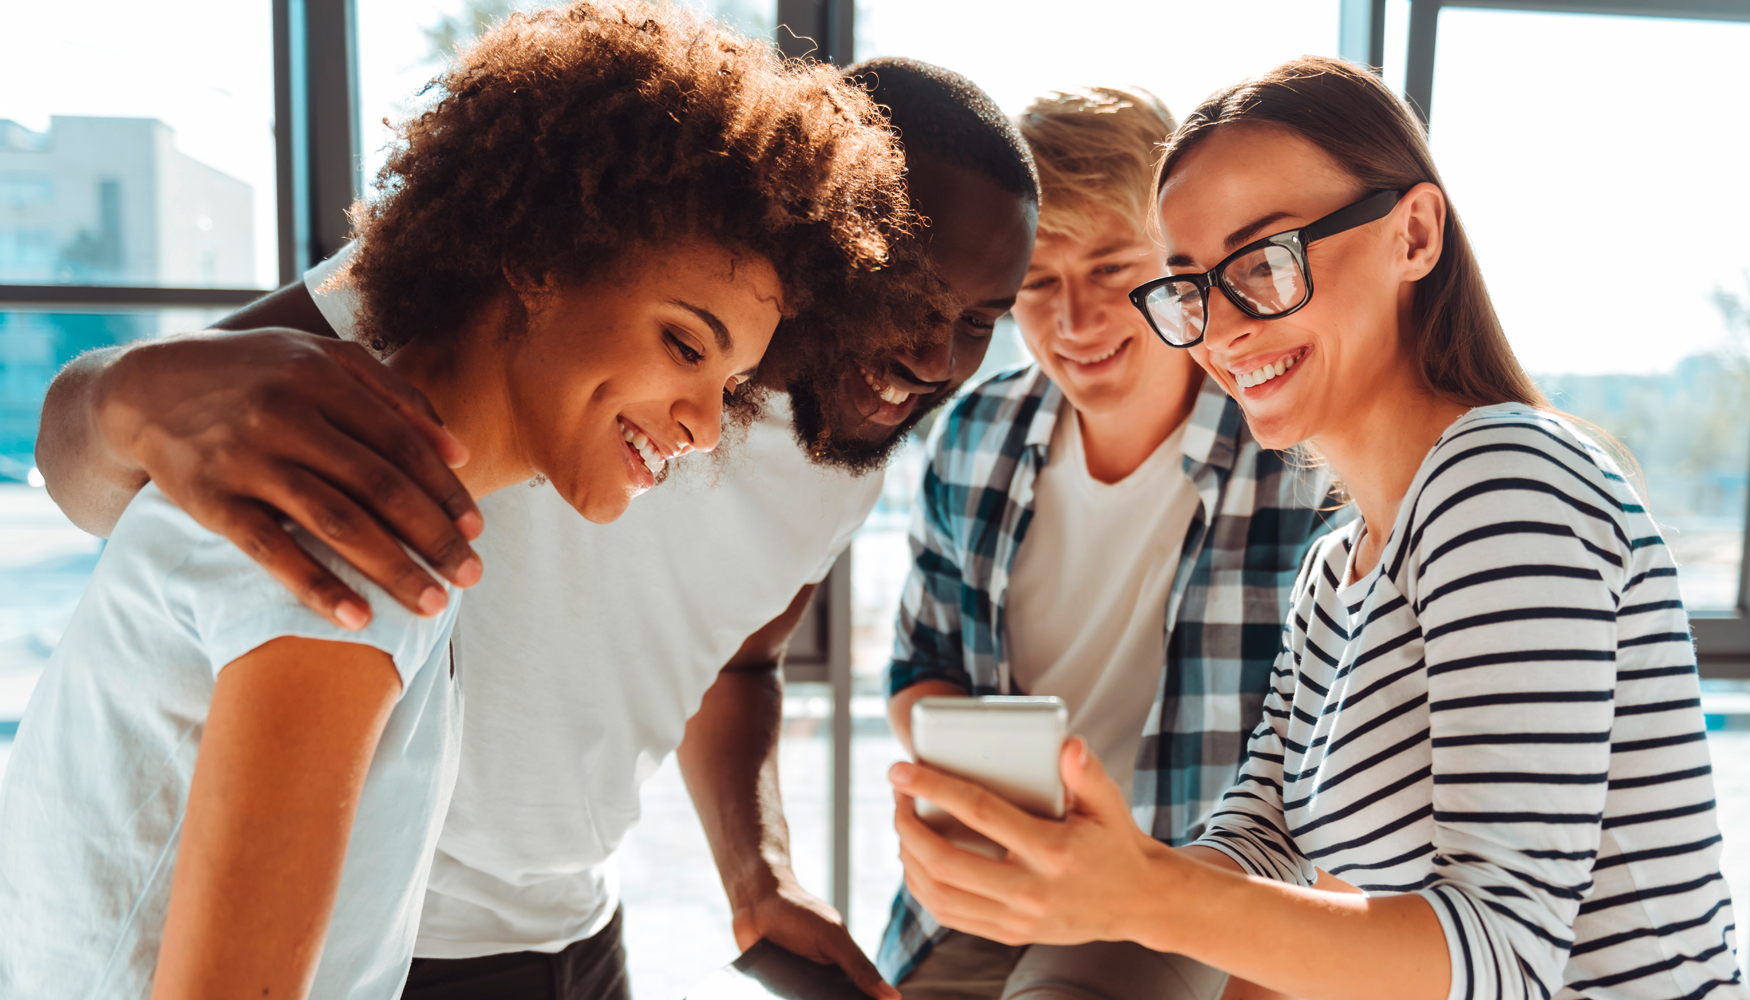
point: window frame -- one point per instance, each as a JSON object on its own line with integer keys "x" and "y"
{"x": 1722, "y": 638}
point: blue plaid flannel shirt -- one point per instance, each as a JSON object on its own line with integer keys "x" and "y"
{"x": 1230, "y": 597}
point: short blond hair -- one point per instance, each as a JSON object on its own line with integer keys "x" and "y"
{"x": 1096, "y": 151}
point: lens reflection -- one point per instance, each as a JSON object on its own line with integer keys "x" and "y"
{"x": 1177, "y": 311}
{"x": 1268, "y": 279}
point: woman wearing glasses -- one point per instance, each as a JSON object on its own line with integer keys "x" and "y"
{"x": 1485, "y": 714}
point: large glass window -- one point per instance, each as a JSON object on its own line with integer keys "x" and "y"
{"x": 1179, "y": 49}
{"x": 1598, "y": 163}
{"x": 137, "y": 145}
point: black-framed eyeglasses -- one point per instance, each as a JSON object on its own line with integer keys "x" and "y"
{"x": 1266, "y": 279}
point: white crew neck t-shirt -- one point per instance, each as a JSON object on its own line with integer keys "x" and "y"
{"x": 92, "y": 804}
{"x": 587, "y": 647}
{"x": 1087, "y": 604}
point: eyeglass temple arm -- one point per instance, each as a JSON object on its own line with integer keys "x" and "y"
{"x": 1374, "y": 206}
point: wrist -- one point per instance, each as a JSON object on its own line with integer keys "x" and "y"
{"x": 1162, "y": 904}
{"x": 757, "y": 882}
{"x": 112, "y": 420}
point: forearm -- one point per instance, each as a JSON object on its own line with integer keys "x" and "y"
{"x": 729, "y": 760}
{"x": 91, "y": 484}
{"x": 1323, "y": 945}
{"x": 899, "y": 706}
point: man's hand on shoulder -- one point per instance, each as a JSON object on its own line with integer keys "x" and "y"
{"x": 240, "y": 428}
{"x": 791, "y": 916}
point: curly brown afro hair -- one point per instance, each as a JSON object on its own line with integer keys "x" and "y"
{"x": 570, "y": 137}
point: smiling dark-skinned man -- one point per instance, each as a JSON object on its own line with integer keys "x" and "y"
{"x": 589, "y": 651}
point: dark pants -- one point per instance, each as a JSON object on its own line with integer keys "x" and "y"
{"x": 591, "y": 969}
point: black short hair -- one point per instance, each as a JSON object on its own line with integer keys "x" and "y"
{"x": 940, "y": 112}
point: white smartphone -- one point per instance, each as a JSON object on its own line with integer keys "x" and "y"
{"x": 1007, "y": 744}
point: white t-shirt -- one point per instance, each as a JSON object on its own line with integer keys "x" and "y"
{"x": 588, "y": 647}
{"x": 1087, "y": 604}
{"x": 92, "y": 802}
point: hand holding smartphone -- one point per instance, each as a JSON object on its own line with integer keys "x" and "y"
{"x": 1007, "y": 744}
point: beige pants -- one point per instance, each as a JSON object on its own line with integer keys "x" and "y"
{"x": 964, "y": 967}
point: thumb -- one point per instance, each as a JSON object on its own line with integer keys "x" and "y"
{"x": 1091, "y": 789}
{"x": 844, "y": 953}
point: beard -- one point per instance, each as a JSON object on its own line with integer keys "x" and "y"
{"x": 816, "y": 426}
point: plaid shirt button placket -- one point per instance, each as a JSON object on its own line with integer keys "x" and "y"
{"x": 1257, "y": 518}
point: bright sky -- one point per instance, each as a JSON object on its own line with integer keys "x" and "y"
{"x": 1589, "y": 156}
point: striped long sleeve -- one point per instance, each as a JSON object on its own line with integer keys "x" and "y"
{"x": 1503, "y": 717}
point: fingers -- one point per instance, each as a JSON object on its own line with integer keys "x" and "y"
{"x": 347, "y": 528}
{"x": 843, "y": 952}
{"x": 394, "y": 419}
{"x": 987, "y": 813}
{"x": 255, "y": 529}
{"x": 1091, "y": 789}
{"x": 944, "y": 860}
{"x": 405, "y": 399}
{"x": 955, "y": 907}
{"x": 393, "y": 498}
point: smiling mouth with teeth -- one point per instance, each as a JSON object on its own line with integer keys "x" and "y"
{"x": 887, "y": 393}
{"x": 653, "y": 459}
{"x": 1103, "y": 357}
{"x": 1266, "y": 373}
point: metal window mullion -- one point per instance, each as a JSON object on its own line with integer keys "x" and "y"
{"x": 823, "y": 29}
{"x": 838, "y": 617}
{"x": 332, "y": 137}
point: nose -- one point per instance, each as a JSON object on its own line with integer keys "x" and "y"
{"x": 1227, "y": 326}
{"x": 1081, "y": 312}
{"x": 698, "y": 420}
{"x": 933, "y": 364}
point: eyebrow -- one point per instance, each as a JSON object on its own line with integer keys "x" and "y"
{"x": 1234, "y": 239}
{"x": 724, "y": 341}
{"x": 1003, "y": 304}
{"x": 1112, "y": 248}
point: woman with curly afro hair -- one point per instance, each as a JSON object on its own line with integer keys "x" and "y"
{"x": 581, "y": 252}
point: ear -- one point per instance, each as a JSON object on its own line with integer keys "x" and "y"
{"x": 1421, "y": 230}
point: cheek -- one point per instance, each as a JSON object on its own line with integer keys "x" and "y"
{"x": 1033, "y": 319}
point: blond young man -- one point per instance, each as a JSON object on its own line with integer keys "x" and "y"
{"x": 1100, "y": 526}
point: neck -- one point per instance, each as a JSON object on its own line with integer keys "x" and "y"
{"x": 1118, "y": 438}
{"x": 1377, "y": 452}
{"x": 461, "y": 374}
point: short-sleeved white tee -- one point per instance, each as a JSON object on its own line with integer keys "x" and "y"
{"x": 587, "y": 647}
{"x": 93, "y": 797}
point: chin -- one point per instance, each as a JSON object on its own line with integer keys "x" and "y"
{"x": 837, "y": 435}
{"x": 1277, "y": 433}
{"x": 598, "y": 506}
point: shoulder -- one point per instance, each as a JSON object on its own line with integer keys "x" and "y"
{"x": 1514, "y": 466}
{"x": 234, "y": 606}
{"x": 988, "y": 412}
{"x": 1510, "y": 446}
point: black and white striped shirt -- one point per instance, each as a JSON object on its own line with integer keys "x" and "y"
{"x": 1503, "y": 716}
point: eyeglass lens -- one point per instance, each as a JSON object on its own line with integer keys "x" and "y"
{"x": 1267, "y": 281}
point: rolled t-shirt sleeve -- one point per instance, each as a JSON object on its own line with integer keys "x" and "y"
{"x": 234, "y": 606}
